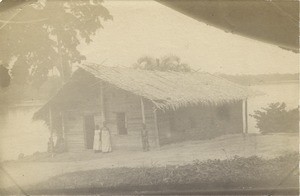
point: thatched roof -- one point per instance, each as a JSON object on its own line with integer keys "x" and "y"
{"x": 166, "y": 90}
{"x": 170, "y": 89}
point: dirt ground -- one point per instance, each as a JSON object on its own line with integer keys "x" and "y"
{"x": 30, "y": 172}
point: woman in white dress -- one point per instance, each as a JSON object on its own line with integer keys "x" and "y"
{"x": 105, "y": 139}
{"x": 97, "y": 139}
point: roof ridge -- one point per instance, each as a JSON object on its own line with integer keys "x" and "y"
{"x": 173, "y": 88}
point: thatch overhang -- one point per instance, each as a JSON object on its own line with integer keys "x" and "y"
{"x": 166, "y": 90}
{"x": 171, "y": 89}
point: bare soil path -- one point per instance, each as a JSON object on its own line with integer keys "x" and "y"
{"x": 30, "y": 172}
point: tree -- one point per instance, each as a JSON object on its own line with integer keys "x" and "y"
{"x": 166, "y": 63}
{"x": 276, "y": 118}
{"x": 44, "y": 36}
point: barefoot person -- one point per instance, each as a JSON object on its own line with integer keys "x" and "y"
{"x": 97, "y": 139}
{"x": 105, "y": 139}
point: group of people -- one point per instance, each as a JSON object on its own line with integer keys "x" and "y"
{"x": 102, "y": 141}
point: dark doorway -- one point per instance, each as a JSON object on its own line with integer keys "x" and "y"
{"x": 121, "y": 123}
{"x": 89, "y": 126}
{"x": 172, "y": 122}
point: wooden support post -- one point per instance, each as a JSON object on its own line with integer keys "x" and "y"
{"x": 63, "y": 125}
{"x": 144, "y": 133}
{"x": 51, "y": 142}
{"x": 143, "y": 111}
{"x": 245, "y": 116}
{"x": 102, "y": 103}
{"x": 50, "y": 122}
{"x": 156, "y": 128}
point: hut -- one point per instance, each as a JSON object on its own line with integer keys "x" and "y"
{"x": 168, "y": 106}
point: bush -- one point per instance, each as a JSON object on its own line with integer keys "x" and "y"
{"x": 236, "y": 172}
{"x": 276, "y": 118}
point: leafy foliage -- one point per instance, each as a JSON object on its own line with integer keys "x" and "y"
{"x": 167, "y": 63}
{"x": 275, "y": 118}
{"x": 34, "y": 48}
{"x": 237, "y": 172}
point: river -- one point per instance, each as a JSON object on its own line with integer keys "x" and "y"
{"x": 19, "y": 134}
{"x": 282, "y": 92}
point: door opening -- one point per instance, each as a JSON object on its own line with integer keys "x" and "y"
{"x": 121, "y": 123}
{"x": 172, "y": 122}
{"x": 89, "y": 126}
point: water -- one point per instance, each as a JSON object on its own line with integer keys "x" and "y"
{"x": 19, "y": 134}
{"x": 283, "y": 92}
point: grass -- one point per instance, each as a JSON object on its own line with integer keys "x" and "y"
{"x": 236, "y": 172}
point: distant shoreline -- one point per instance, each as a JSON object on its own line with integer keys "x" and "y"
{"x": 25, "y": 104}
{"x": 40, "y": 103}
{"x": 276, "y": 82}
{"x": 262, "y": 79}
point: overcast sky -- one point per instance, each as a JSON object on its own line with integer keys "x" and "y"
{"x": 142, "y": 28}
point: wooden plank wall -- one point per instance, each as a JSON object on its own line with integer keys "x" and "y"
{"x": 163, "y": 124}
{"x": 118, "y": 100}
{"x": 200, "y": 122}
{"x": 74, "y": 131}
{"x": 189, "y": 122}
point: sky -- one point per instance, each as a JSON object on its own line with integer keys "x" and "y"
{"x": 141, "y": 28}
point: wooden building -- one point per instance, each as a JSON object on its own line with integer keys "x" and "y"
{"x": 174, "y": 107}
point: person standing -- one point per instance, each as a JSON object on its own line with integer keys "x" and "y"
{"x": 145, "y": 140}
{"x": 97, "y": 139}
{"x": 50, "y": 148}
{"x": 105, "y": 138}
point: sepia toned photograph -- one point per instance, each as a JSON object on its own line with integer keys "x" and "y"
{"x": 149, "y": 97}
